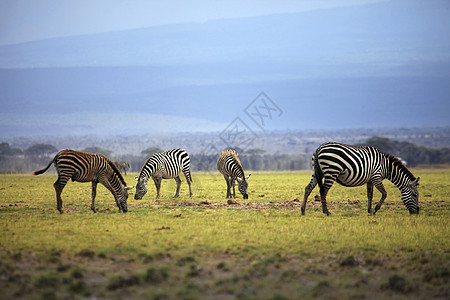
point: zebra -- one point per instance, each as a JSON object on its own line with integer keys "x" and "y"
{"x": 84, "y": 167}
{"x": 355, "y": 166}
{"x": 164, "y": 165}
{"x": 230, "y": 166}
{"x": 122, "y": 166}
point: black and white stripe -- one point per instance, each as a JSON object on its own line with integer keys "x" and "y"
{"x": 164, "y": 165}
{"x": 84, "y": 167}
{"x": 354, "y": 166}
{"x": 230, "y": 166}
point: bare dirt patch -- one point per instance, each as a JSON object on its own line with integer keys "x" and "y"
{"x": 294, "y": 204}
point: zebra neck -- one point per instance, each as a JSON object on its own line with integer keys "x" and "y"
{"x": 398, "y": 174}
{"x": 148, "y": 169}
{"x": 397, "y": 180}
{"x": 147, "y": 172}
{"x": 116, "y": 183}
{"x": 116, "y": 175}
{"x": 239, "y": 172}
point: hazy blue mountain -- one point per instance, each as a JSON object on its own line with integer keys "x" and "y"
{"x": 384, "y": 64}
{"x": 342, "y": 35}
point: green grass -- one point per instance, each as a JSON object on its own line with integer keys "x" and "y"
{"x": 204, "y": 248}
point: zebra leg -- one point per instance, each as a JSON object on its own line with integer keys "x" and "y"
{"x": 178, "y": 180}
{"x": 369, "y": 196}
{"x": 59, "y": 185}
{"x": 94, "y": 192}
{"x": 158, "y": 185}
{"x": 227, "y": 179}
{"x": 309, "y": 188}
{"x": 323, "y": 196}
{"x": 324, "y": 188}
{"x": 188, "y": 179}
{"x": 380, "y": 187}
{"x": 233, "y": 182}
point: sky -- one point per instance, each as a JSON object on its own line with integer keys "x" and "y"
{"x": 29, "y": 20}
{"x": 374, "y": 63}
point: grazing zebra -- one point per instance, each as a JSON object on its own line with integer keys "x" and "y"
{"x": 230, "y": 166}
{"x": 84, "y": 167}
{"x": 164, "y": 165}
{"x": 354, "y": 166}
{"x": 122, "y": 166}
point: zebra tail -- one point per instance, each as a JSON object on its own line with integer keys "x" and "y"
{"x": 45, "y": 169}
{"x": 317, "y": 171}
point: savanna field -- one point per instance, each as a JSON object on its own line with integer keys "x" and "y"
{"x": 205, "y": 248}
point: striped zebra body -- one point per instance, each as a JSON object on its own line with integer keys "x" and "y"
{"x": 164, "y": 165}
{"x": 355, "y": 166}
{"x": 230, "y": 166}
{"x": 87, "y": 167}
{"x": 123, "y": 166}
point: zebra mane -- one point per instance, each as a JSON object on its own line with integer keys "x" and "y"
{"x": 116, "y": 170}
{"x": 397, "y": 163}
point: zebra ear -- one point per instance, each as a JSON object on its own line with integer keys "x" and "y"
{"x": 416, "y": 182}
{"x": 246, "y": 178}
{"x": 127, "y": 188}
{"x": 137, "y": 178}
{"x": 239, "y": 178}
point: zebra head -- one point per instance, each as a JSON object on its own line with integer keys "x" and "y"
{"x": 243, "y": 186}
{"x": 123, "y": 198}
{"x": 410, "y": 196}
{"x": 141, "y": 187}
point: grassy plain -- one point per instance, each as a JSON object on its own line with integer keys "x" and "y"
{"x": 204, "y": 248}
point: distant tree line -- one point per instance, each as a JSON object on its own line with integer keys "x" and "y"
{"x": 18, "y": 160}
{"x": 409, "y": 152}
{"x": 38, "y": 155}
{"x": 256, "y": 162}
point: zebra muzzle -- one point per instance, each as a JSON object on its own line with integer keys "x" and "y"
{"x": 414, "y": 212}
